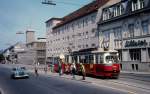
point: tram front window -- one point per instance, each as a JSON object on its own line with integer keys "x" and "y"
{"x": 111, "y": 59}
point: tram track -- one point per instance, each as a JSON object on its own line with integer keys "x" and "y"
{"x": 135, "y": 78}
{"x": 131, "y": 87}
{"x": 130, "y": 84}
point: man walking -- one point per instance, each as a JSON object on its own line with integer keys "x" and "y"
{"x": 82, "y": 71}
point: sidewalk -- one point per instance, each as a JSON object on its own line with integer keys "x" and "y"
{"x": 135, "y": 72}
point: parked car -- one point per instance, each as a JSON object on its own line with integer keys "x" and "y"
{"x": 19, "y": 72}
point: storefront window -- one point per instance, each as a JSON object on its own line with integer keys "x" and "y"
{"x": 135, "y": 54}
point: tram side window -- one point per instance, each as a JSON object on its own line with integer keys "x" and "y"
{"x": 74, "y": 59}
{"x": 91, "y": 59}
{"x": 67, "y": 59}
{"x": 101, "y": 59}
{"x": 86, "y": 59}
{"x": 97, "y": 59}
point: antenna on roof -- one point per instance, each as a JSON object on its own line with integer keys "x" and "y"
{"x": 48, "y": 2}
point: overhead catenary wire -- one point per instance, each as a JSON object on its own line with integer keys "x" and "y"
{"x": 53, "y": 2}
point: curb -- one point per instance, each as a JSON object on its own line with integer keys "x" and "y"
{"x": 132, "y": 72}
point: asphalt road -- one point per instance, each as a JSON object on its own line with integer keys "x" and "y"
{"x": 48, "y": 85}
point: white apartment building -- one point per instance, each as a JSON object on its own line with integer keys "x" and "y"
{"x": 125, "y": 26}
{"x": 76, "y": 31}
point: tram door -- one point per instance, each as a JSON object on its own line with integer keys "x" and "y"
{"x": 88, "y": 61}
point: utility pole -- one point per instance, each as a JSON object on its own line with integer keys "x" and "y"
{"x": 48, "y": 2}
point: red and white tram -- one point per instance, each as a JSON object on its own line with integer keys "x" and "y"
{"x": 104, "y": 63}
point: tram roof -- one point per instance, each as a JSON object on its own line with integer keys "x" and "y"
{"x": 88, "y": 51}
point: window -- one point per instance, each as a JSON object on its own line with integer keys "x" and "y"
{"x": 79, "y": 46}
{"x": 79, "y": 24}
{"x": 131, "y": 30}
{"x": 93, "y": 45}
{"x": 134, "y": 5}
{"x": 145, "y": 27}
{"x": 97, "y": 59}
{"x": 117, "y": 33}
{"x": 106, "y": 14}
{"x": 91, "y": 59}
{"x": 118, "y": 10}
{"x": 93, "y": 18}
{"x": 135, "y": 54}
{"x": 86, "y": 32}
{"x": 106, "y": 35}
{"x": 142, "y": 3}
{"x": 149, "y": 52}
{"x": 72, "y": 26}
{"x": 137, "y": 4}
{"x": 87, "y": 45}
{"x": 86, "y": 21}
{"x": 68, "y": 37}
{"x": 86, "y": 59}
{"x": 83, "y": 22}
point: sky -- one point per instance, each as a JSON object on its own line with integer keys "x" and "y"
{"x": 21, "y": 15}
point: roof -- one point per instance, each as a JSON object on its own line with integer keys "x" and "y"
{"x": 53, "y": 19}
{"x": 128, "y": 12}
{"x": 85, "y": 10}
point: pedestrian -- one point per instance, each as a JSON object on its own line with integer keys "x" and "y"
{"x": 45, "y": 70}
{"x": 73, "y": 70}
{"x": 36, "y": 71}
{"x": 82, "y": 71}
{"x": 60, "y": 67}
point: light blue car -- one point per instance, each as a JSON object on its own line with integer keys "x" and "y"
{"x": 19, "y": 72}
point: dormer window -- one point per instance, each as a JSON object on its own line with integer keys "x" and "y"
{"x": 106, "y": 14}
{"x": 137, "y": 4}
{"x": 118, "y": 10}
{"x": 114, "y": 11}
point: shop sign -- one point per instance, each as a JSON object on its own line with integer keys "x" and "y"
{"x": 133, "y": 43}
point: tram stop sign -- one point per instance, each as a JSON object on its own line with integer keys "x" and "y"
{"x": 61, "y": 56}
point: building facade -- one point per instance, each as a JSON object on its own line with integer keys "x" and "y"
{"x": 36, "y": 52}
{"x": 76, "y": 31}
{"x": 125, "y": 26}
